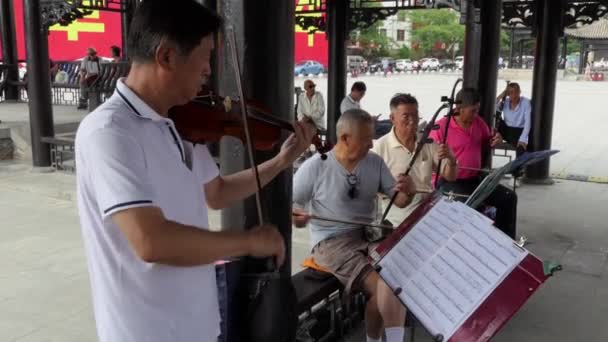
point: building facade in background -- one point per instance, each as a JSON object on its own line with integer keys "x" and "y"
{"x": 398, "y": 29}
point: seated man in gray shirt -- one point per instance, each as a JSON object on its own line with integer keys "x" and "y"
{"x": 352, "y": 100}
{"x": 344, "y": 186}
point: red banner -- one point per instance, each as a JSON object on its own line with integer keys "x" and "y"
{"x": 102, "y": 29}
{"x": 310, "y": 46}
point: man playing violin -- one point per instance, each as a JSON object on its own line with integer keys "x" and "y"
{"x": 397, "y": 150}
{"x": 345, "y": 186}
{"x": 143, "y": 193}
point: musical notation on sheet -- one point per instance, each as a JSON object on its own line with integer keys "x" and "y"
{"x": 448, "y": 263}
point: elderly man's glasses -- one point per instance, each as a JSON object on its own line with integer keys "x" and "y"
{"x": 411, "y": 117}
{"x": 311, "y": 86}
{"x": 352, "y": 181}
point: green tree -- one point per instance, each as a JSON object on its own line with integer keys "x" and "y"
{"x": 403, "y": 52}
{"x": 574, "y": 46}
{"x": 433, "y": 28}
{"x": 505, "y": 42}
{"x": 373, "y": 41}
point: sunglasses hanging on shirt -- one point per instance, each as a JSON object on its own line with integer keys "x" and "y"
{"x": 352, "y": 181}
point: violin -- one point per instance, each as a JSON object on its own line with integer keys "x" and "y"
{"x": 209, "y": 117}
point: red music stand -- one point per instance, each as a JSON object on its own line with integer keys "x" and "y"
{"x": 491, "y": 311}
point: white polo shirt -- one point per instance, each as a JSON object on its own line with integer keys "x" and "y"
{"x": 127, "y": 155}
{"x": 397, "y": 157}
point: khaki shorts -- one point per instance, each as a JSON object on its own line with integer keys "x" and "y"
{"x": 345, "y": 256}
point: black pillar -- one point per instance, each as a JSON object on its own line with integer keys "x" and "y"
{"x": 215, "y": 67}
{"x": 550, "y": 27}
{"x": 265, "y": 41}
{"x": 128, "y": 8}
{"x": 564, "y": 52}
{"x": 267, "y": 75}
{"x": 488, "y": 62}
{"x": 512, "y": 49}
{"x": 9, "y": 48}
{"x": 268, "y": 78}
{"x": 472, "y": 39}
{"x": 490, "y": 18}
{"x": 337, "y": 34}
{"x": 582, "y": 61}
{"x": 39, "y": 83}
{"x": 521, "y": 53}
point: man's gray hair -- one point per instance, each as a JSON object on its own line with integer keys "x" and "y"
{"x": 350, "y": 119}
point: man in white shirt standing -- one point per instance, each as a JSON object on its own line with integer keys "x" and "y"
{"x": 143, "y": 193}
{"x": 311, "y": 105}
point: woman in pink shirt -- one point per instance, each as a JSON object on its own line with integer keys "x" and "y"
{"x": 468, "y": 136}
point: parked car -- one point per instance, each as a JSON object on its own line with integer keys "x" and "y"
{"x": 430, "y": 64}
{"x": 308, "y": 67}
{"x": 355, "y": 62}
{"x": 447, "y": 64}
{"x": 377, "y": 64}
{"x": 404, "y": 65}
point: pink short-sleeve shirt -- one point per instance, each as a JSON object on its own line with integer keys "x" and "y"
{"x": 466, "y": 144}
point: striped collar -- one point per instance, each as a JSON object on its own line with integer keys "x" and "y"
{"x": 141, "y": 109}
{"x": 135, "y": 103}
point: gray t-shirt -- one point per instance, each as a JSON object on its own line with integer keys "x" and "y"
{"x": 322, "y": 186}
{"x": 349, "y": 103}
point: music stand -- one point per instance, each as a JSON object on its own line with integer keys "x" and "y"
{"x": 489, "y": 184}
{"x": 420, "y": 233}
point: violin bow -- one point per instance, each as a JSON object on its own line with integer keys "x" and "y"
{"x": 239, "y": 83}
{"x": 423, "y": 140}
{"x": 271, "y": 265}
{"x": 451, "y": 101}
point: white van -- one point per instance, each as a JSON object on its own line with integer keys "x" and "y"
{"x": 355, "y": 62}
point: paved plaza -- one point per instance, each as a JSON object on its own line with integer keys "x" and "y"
{"x": 44, "y": 288}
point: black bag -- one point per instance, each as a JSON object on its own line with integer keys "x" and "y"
{"x": 257, "y": 306}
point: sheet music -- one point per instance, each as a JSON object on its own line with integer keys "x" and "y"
{"x": 450, "y": 261}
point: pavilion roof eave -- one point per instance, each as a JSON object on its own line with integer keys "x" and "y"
{"x": 595, "y": 31}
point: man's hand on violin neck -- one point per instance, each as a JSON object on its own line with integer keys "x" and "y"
{"x": 297, "y": 142}
{"x": 266, "y": 241}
